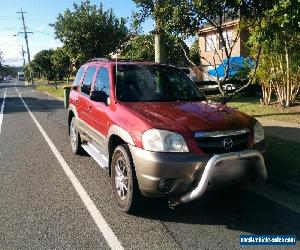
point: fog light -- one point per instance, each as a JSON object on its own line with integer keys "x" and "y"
{"x": 164, "y": 185}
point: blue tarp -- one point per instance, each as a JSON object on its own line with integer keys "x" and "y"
{"x": 235, "y": 64}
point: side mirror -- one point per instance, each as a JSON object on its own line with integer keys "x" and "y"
{"x": 99, "y": 96}
{"x": 74, "y": 87}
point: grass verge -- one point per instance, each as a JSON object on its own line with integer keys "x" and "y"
{"x": 283, "y": 158}
{"x": 59, "y": 92}
{"x": 252, "y": 106}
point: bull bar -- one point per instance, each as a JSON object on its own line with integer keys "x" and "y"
{"x": 210, "y": 166}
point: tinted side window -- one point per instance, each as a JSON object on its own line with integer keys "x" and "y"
{"x": 102, "y": 80}
{"x": 87, "y": 81}
{"x": 78, "y": 76}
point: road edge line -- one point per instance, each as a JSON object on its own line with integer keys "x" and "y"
{"x": 2, "y": 109}
{"x": 101, "y": 223}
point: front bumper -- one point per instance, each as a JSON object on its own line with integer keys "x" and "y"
{"x": 211, "y": 166}
{"x": 186, "y": 171}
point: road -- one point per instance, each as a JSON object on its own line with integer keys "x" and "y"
{"x": 42, "y": 208}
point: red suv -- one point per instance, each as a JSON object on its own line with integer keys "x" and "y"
{"x": 157, "y": 135}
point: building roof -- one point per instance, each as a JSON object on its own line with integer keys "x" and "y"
{"x": 211, "y": 28}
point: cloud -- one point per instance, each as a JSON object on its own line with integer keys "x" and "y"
{"x": 41, "y": 28}
{"x": 36, "y": 46}
{"x": 11, "y": 47}
{"x": 13, "y": 61}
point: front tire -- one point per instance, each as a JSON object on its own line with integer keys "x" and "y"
{"x": 124, "y": 182}
{"x": 75, "y": 138}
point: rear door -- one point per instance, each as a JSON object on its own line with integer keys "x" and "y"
{"x": 84, "y": 96}
{"x": 100, "y": 111}
{"x": 75, "y": 89}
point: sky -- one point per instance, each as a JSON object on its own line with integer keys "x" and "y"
{"x": 41, "y": 13}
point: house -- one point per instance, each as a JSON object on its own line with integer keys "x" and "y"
{"x": 212, "y": 48}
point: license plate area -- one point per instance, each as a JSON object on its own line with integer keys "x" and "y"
{"x": 231, "y": 170}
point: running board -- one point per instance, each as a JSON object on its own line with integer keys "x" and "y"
{"x": 96, "y": 155}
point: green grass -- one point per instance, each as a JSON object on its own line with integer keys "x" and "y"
{"x": 59, "y": 92}
{"x": 42, "y": 81}
{"x": 283, "y": 158}
{"x": 252, "y": 106}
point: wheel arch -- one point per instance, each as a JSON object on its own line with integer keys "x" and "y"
{"x": 117, "y": 136}
{"x": 71, "y": 113}
{"x": 70, "y": 117}
{"x": 113, "y": 142}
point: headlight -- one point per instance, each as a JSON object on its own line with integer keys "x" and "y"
{"x": 163, "y": 141}
{"x": 259, "y": 133}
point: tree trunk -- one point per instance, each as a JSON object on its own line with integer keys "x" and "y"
{"x": 288, "y": 87}
{"x": 267, "y": 90}
{"x": 160, "y": 48}
{"x": 55, "y": 82}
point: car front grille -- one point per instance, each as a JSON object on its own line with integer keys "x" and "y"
{"x": 219, "y": 142}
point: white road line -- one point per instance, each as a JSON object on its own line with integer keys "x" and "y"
{"x": 103, "y": 226}
{"x": 2, "y": 109}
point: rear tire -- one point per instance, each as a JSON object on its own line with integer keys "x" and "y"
{"x": 124, "y": 182}
{"x": 75, "y": 138}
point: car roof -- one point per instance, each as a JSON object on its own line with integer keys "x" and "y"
{"x": 122, "y": 62}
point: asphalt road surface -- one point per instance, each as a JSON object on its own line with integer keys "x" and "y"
{"x": 50, "y": 198}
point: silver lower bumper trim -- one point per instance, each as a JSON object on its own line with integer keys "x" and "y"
{"x": 210, "y": 166}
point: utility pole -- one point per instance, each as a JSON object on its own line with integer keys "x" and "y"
{"x": 25, "y": 32}
{"x": 23, "y": 56}
{"x": 160, "y": 43}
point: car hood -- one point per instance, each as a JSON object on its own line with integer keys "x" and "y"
{"x": 190, "y": 117}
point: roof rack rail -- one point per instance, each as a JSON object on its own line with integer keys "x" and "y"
{"x": 132, "y": 60}
{"x": 102, "y": 59}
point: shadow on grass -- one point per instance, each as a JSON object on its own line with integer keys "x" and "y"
{"x": 283, "y": 156}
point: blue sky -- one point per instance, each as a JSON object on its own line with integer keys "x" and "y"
{"x": 40, "y": 13}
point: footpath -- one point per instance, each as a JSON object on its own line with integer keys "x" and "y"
{"x": 282, "y": 191}
{"x": 279, "y": 129}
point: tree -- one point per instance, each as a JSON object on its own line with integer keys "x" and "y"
{"x": 194, "y": 52}
{"x": 61, "y": 64}
{"x": 147, "y": 9}
{"x": 279, "y": 37}
{"x": 1, "y": 58}
{"x": 88, "y": 32}
{"x": 42, "y": 64}
{"x": 186, "y": 17}
{"x": 27, "y": 71}
{"x": 141, "y": 47}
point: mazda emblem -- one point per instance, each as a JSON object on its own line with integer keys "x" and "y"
{"x": 228, "y": 143}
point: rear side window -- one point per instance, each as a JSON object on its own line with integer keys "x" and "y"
{"x": 102, "y": 80}
{"x": 78, "y": 76}
{"x": 87, "y": 81}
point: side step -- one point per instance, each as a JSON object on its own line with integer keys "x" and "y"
{"x": 96, "y": 155}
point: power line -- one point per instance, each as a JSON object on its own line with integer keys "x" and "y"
{"x": 6, "y": 18}
{"x": 42, "y": 32}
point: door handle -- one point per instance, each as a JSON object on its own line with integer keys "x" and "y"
{"x": 90, "y": 108}
{"x": 76, "y": 102}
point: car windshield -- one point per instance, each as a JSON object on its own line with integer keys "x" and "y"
{"x": 154, "y": 83}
